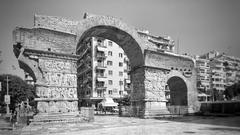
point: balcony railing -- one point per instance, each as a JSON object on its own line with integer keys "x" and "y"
{"x": 101, "y": 55}
{"x": 100, "y": 86}
{"x": 101, "y": 66}
{"x": 101, "y": 75}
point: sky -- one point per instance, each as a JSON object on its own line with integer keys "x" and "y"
{"x": 199, "y": 26}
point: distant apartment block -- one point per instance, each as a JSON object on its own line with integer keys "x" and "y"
{"x": 223, "y": 71}
{"x": 203, "y": 74}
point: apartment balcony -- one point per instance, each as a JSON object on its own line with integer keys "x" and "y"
{"x": 100, "y": 86}
{"x": 101, "y": 66}
{"x": 101, "y": 55}
{"x": 126, "y": 60}
{"x": 128, "y": 69}
{"x": 127, "y": 80}
{"x": 100, "y": 47}
{"x": 101, "y": 77}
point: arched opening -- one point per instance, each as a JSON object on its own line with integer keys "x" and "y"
{"x": 126, "y": 41}
{"x": 28, "y": 70}
{"x": 177, "y": 92}
{"x": 92, "y": 68}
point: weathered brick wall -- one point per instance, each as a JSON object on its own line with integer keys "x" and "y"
{"x": 137, "y": 78}
{"x": 45, "y": 40}
{"x": 168, "y": 61}
{"x": 55, "y": 23}
{"x": 138, "y": 92}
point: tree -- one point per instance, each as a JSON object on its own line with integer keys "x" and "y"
{"x": 19, "y": 90}
{"x": 232, "y": 91}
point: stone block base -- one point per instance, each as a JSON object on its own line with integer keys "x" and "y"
{"x": 155, "y": 109}
{"x": 71, "y": 117}
{"x": 149, "y": 109}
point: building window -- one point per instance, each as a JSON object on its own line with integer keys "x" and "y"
{"x": 120, "y": 82}
{"x": 110, "y": 92}
{"x": 110, "y": 72}
{"x": 109, "y": 43}
{"x": 120, "y": 55}
{"x": 120, "y": 73}
{"x": 110, "y": 82}
{"x": 100, "y": 93}
{"x": 120, "y": 64}
{"x": 109, "y": 63}
{"x": 120, "y": 92}
{"x": 109, "y": 53}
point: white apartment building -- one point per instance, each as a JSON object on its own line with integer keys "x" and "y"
{"x": 203, "y": 79}
{"x": 218, "y": 75}
{"x": 217, "y": 72}
{"x": 203, "y": 74}
{"x": 224, "y": 70}
{"x": 102, "y": 71}
{"x": 231, "y": 67}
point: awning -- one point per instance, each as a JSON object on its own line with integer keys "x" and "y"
{"x": 103, "y": 49}
{"x": 203, "y": 95}
{"x": 108, "y": 102}
{"x": 101, "y": 79}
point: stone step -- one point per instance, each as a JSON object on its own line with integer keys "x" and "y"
{"x": 80, "y": 120}
{"x": 54, "y": 118}
{"x": 59, "y": 118}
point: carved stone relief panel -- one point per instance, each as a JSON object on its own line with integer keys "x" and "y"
{"x": 155, "y": 84}
{"x": 57, "y": 65}
{"x": 56, "y": 92}
{"x": 60, "y": 79}
{"x": 60, "y": 106}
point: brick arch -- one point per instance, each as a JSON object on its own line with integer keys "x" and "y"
{"x": 177, "y": 74}
{"x": 116, "y": 30}
{"x": 178, "y": 91}
{"x": 189, "y": 92}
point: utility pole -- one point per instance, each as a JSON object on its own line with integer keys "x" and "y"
{"x": 7, "y": 98}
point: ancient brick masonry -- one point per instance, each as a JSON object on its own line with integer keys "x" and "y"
{"x": 48, "y": 53}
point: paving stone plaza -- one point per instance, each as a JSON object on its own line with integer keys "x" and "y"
{"x": 114, "y": 125}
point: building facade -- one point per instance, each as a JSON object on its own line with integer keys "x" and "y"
{"x": 223, "y": 70}
{"x": 203, "y": 74}
{"x": 103, "y": 70}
